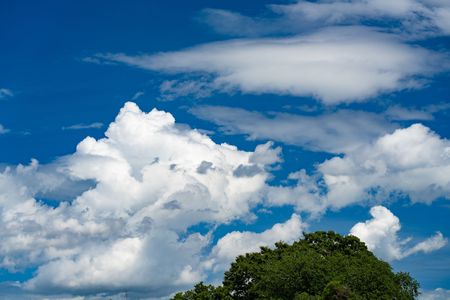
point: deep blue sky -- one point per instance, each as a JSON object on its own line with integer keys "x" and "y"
{"x": 44, "y": 46}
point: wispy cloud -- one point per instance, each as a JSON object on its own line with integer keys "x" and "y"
{"x": 415, "y": 18}
{"x": 173, "y": 89}
{"x": 95, "y": 125}
{"x": 137, "y": 95}
{"x": 3, "y": 130}
{"x": 325, "y": 65}
{"x": 5, "y": 93}
{"x": 334, "y": 132}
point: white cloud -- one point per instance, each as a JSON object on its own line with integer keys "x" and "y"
{"x": 437, "y": 294}
{"x": 3, "y": 130}
{"x": 236, "y": 243}
{"x": 126, "y": 229}
{"x": 412, "y": 162}
{"x": 5, "y": 93}
{"x": 380, "y": 234}
{"x": 335, "y": 132}
{"x": 325, "y": 64}
{"x": 95, "y": 125}
{"x": 418, "y": 18}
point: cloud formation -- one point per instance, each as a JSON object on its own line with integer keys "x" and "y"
{"x": 333, "y": 65}
{"x": 334, "y": 132}
{"x": 5, "y": 93}
{"x": 3, "y": 130}
{"x": 381, "y": 236}
{"x": 128, "y": 228}
{"x": 95, "y": 125}
{"x": 411, "y": 162}
{"x": 236, "y": 243}
{"x": 436, "y": 294}
{"x": 126, "y": 204}
{"x": 417, "y": 18}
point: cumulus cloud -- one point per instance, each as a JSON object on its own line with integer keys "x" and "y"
{"x": 437, "y": 294}
{"x": 411, "y": 162}
{"x": 334, "y": 65}
{"x": 236, "y": 243}
{"x": 380, "y": 234}
{"x": 126, "y": 228}
{"x": 335, "y": 132}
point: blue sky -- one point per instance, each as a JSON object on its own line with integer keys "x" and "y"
{"x": 334, "y": 114}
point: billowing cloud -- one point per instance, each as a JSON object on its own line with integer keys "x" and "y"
{"x": 436, "y": 294}
{"x": 380, "y": 234}
{"x": 334, "y": 132}
{"x": 236, "y": 243}
{"x": 411, "y": 162}
{"x": 334, "y": 65}
{"x": 132, "y": 196}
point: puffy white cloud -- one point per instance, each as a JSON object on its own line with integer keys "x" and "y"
{"x": 437, "y": 294}
{"x": 129, "y": 200}
{"x": 412, "y": 161}
{"x": 380, "y": 234}
{"x": 236, "y": 243}
{"x": 336, "y": 132}
{"x": 325, "y": 64}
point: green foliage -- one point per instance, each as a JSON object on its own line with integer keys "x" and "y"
{"x": 322, "y": 266}
{"x": 204, "y": 292}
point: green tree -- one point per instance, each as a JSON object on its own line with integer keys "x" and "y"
{"x": 322, "y": 265}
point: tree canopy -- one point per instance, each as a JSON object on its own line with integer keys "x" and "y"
{"x": 321, "y": 266}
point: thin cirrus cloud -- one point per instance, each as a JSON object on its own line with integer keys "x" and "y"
{"x": 334, "y": 65}
{"x": 333, "y": 132}
{"x": 381, "y": 236}
{"x": 3, "y": 129}
{"x": 79, "y": 126}
{"x": 414, "y": 18}
{"x": 5, "y": 93}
